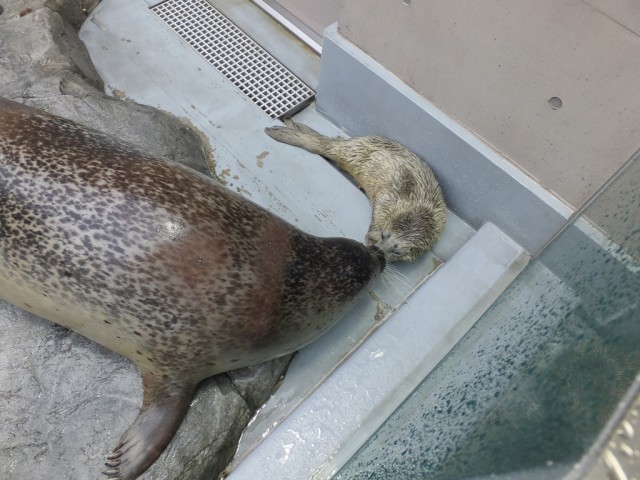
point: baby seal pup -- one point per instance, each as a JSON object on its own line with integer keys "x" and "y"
{"x": 409, "y": 211}
{"x": 160, "y": 264}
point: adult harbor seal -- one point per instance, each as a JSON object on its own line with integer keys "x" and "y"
{"x": 160, "y": 264}
{"x": 409, "y": 210}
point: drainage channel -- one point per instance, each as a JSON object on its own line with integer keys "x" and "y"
{"x": 233, "y": 53}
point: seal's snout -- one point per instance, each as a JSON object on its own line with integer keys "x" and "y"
{"x": 378, "y": 255}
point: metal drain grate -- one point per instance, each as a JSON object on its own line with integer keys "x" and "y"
{"x": 263, "y": 79}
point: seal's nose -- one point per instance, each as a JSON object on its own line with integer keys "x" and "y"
{"x": 379, "y": 255}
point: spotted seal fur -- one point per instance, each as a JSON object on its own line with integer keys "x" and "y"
{"x": 409, "y": 210}
{"x": 160, "y": 264}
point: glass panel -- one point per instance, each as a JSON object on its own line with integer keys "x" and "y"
{"x": 534, "y": 381}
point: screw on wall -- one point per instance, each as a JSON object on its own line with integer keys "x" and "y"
{"x": 555, "y": 102}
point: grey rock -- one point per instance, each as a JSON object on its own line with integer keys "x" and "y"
{"x": 64, "y": 400}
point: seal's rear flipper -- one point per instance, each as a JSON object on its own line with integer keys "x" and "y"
{"x": 298, "y": 135}
{"x": 164, "y": 406}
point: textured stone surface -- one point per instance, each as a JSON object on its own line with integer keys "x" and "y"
{"x": 64, "y": 400}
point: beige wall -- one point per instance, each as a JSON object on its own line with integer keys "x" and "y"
{"x": 494, "y": 65}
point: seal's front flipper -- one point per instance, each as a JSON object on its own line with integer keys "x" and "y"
{"x": 164, "y": 406}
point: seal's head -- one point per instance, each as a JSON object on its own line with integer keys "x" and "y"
{"x": 405, "y": 233}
